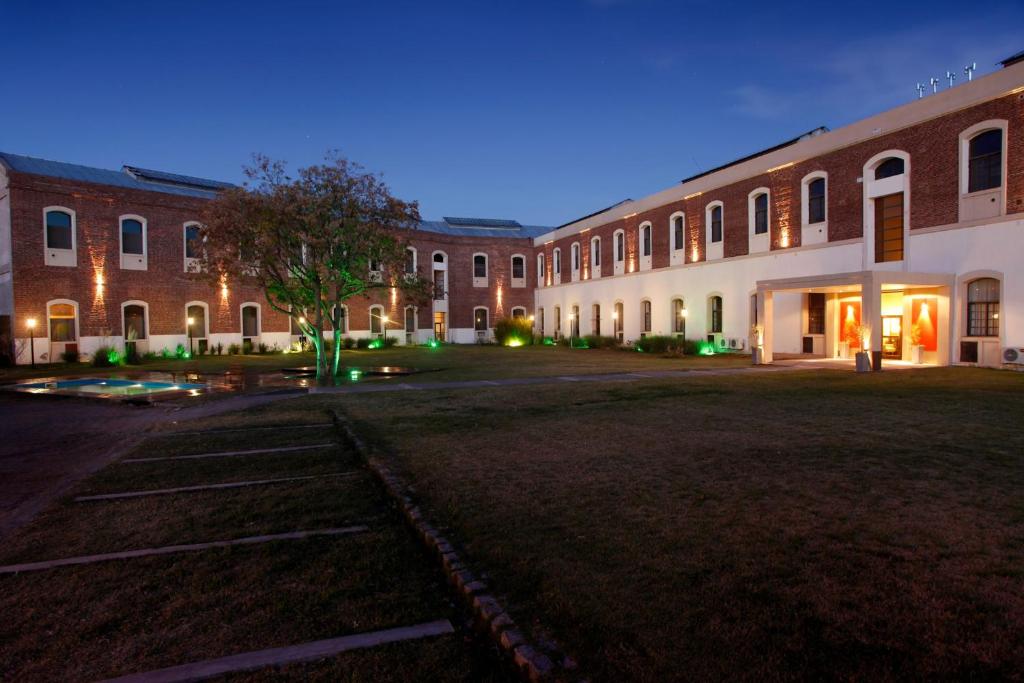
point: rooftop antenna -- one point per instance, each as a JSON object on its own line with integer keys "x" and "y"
{"x": 951, "y": 75}
{"x": 935, "y": 84}
{"x": 920, "y": 90}
{"x": 969, "y": 70}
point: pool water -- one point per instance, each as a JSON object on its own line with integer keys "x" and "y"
{"x": 100, "y": 386}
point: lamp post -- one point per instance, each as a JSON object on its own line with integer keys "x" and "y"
{"x": 191, "y": 321}
{"x": 31, "y": 325}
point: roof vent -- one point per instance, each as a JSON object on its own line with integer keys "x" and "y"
{"x": 482, "y": 222}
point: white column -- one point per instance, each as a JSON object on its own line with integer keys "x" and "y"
{"x": 764, "y": 318}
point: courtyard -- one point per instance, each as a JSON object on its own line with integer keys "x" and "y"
{"x": 724, "y": 521}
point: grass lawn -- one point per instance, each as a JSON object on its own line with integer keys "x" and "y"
{"x": 799, "y": 524}
{"x": 446, "y": 363}
{"x": 98, "y": 620}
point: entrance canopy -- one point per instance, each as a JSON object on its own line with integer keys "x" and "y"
{"x": 894, "y": 315}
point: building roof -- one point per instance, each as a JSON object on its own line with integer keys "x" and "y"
{"x": 130, "y": 177}
{"x": 1013, "y": 59}
{"x": 589, "y": 215}
{"x": 483, "y": 227}
{"x": 809, "y": 134}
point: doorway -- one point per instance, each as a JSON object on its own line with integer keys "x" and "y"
{"x": 440, "y": 326}
{"x": 892, "y": 337}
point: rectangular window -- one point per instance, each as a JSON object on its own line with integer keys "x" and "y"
{"x": 985, "y": 169}
{"x": 131, "y": 237}
{"x": 716, "y": 224}
{"x": 677, "y": 233}
{"x": 479, "y": 266}
{"x": 518, "y": 267}
{"x": 58, "y": 230}
{"x": 889, "y": 228}
{"x": 250, "y": 322}
{"x": 619, "y": 247}
{"x": 983, "y": 319}
{"x": 816, "y": 201}
{"x": 815, "y": 313}
{"x": 192, "y": 241}
{"x": 647, "y": 316}
{"x": 595, "y": 252}
{"x": 647, "y": 241}
{"x": 760, "y": 214}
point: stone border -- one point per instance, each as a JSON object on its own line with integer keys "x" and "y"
{"x": 530, "y": 662}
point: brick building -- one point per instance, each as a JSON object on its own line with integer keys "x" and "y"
{"x": 900, "y": 234}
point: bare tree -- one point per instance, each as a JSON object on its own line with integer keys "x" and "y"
{"x": 312, "y": 242}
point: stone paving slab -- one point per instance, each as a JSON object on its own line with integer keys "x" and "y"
{"x": 207, "y": 487}
{"x": 291, "y": 654}
{"x": 227, "y": 454}
{"x": 190, "y": 547}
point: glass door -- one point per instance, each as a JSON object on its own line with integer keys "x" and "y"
{"x": 892, "y": 337}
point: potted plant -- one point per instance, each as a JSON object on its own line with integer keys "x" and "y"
{"x": 916, "y": 347}
{"x": 863, "y": 362}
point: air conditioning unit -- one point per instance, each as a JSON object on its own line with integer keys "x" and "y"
{"x": 1014, "y": 355}
{"x": 737, "y": 343}
{"x": 723, "y": 343}
{"x": 481, "y": 336}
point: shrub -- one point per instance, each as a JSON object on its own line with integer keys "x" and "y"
{"x": 131, "y": 354}
{"x": 262, "y": 348}
{"x": 363, "y": 343}
{"x": 348, "y": 342}
{"x": 233, "y": 349}
{"x": 513, "y": 331}
{"x": 219, "y": 349}
{"x": 149, "y": 355}
{"x": 389, "y": 342}
{"x": 69, "y": 356}
{"x": 105, "y": 357}
{"x": 660, "y": 344}
{"x": 246, "y": 346}
{"x": 594, "y": 341}
{"x": 180, "y": 351}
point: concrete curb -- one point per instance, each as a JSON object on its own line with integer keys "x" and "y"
{"x": 490, "y": 617}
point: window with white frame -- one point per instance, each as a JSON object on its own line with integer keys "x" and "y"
{"x": 250, "y": 321}
{"x": 678, "y": 232}
{"x": 193, "y": 247}
{"x": 985, "y": 161}
{"x": 518, "y": 312}
{"x": 480, "y": 319}
{"x": 816, "y": 206}
{"x": 595, "y": 319}
{"x": 518, "y": 267}
{"x": 620, "y": 246}
{"x": 715, "y": 223}
{"x": 376, "y": 320}
{"x": 59, "y": 236}
{"x": 133, "y": 243}
{"x": 645, "y": 307}
{"x": 557, "y": 254}
{"x": 678, "y": 316}
{"x": 540, "y": 270}
{"x": 479, "y": 270}
{"x": 575, "y": 250}
{"x": 595, "y": 252}
{"x": 715, "y": 317}
{"x": 983, "y": 307}
{"x": 618, "y": 321}
{"x": 759, "y": 207}
{"x": 645, "y": 239}
{"x": 410, "y": 261}
{"x": 410, "y": 319}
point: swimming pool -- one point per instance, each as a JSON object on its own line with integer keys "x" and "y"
{"x": 105, "y": 387}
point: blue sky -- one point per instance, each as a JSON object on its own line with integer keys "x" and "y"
{"x": 540, "y": 112}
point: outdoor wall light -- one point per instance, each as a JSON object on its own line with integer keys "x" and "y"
{"x": 30, "y": 323}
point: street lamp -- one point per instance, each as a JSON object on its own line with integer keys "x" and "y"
{"x": 191, "y": 321}
{"x": 31, "y": 325}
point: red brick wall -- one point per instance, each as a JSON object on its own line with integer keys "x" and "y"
{"x": 934, "y": 189}
{"x": 167, "y": 288}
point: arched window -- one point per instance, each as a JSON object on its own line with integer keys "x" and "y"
{"x": 890, "y": 167}
{"x": 816, "y": 201}
{"x": 59, "y": 230}
{"x": 617, "y": 321}
{"x": 540, "y": 270}
{"x": 678, "y": 316}
{"x": 645, "y": 306}
{"x": 250, "y": 321}
{"x": 558, "y": 321}
{"x": 518, "y": 312}
{"x": 134, "y": 321}
{"x": 480, "y": 265}
{"x": 595, "y": 252}
{"x": 518, "y": 267}
{"x": 410, "y": 319}
{"x": 193, "y": 246}
{"x": 63, "y": 319}
{"x": 678, "y": 233}
{"x": 715, "y": 319}
{"x": 410, "y": 261}
{"x": 574, "y": 321}
{"x": 480, "y": 319}
{"x": 983, "y": 308}
{"x": 132, "y": 237}
{"x": 761, "y": 213}
{"x": 557, "y": 254}
{"x": 376, "y": 319}
{"x": 595, "y": 319}
{"x": 197, "y": 314}
{"x": 620, "y": 246}
{"x": 438, "y": 257}
{"x": 645, "y": 240}
{"x": 985, "y": 166}
{"x": 716, "y": 223}
{"x": 575, "y": 255}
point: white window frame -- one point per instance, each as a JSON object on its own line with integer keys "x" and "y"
{"x": 881, "y": 188}
{"x": 645, "y": 261}
{"x": 713, "y": 250}
{"x": 757, "y": 243}
{"x": 415, "y": 319}
{"x": 677, "y": 252}
{"x": 516, "y": 282}
{"x": 556, "y": 264}
{"x": 480, "y": 281}
{"x": 575, "y": 261}
{"x": 415, "y": 262}
{"x": 259, "y": 321}
{"x": 376, "y": 311}
{"x": 145, "y": 309}
{"x": 67, "y": 258}
{"x": 541, "y": 270}
{"x": 812, "y": 233}
{"x": 133, "y": 261}
{"x": 595, "y": 257}
{"x": 486, "y": 332}
{"x": 191, "y": 264}
{"x": 645, "y": 329}
{"x": 619, "y": 264}
{"x": 206, "y": 319}
{"x": 988, "y": 203}
{"x": 78, "y": 329}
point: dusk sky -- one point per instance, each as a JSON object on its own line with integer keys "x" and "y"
{"x": 539, "y": 112}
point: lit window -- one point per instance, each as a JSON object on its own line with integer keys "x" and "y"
{"x": 889, "y": 228}
{"x": 985, "y": 169}
{"x": 983, "y": 308}
{"x": 62, "y": 323}
{"x": 480, "y": 319}
{"x": 197, "y": 314}
{"x": 58, "y": 230}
